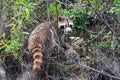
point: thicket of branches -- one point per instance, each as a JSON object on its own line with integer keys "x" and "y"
{"x": 93, "y": 52}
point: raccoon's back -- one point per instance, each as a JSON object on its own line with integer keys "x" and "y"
{"x": 39, "y": 35}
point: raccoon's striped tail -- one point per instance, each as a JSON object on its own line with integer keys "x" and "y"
{"x": 37, "y": 60}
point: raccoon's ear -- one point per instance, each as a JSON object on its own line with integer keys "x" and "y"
{"x": 72, "y": 17}
{"x": 60, "y": 18}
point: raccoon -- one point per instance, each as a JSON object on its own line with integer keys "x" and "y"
{"x": 47, "y": 35}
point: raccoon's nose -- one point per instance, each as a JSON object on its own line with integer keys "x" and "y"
{"x": 69, "y": 30}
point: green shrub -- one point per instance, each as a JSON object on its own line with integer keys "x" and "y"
{"x": 19, "y": 15}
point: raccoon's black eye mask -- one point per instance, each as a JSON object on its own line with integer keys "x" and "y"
{"x": 62, "y": 27}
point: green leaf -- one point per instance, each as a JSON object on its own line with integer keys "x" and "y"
{"x": 12, "y": 24}
{"x": 27, "y": 14}
{"x": 3, "y": 35}
{"x": 116, "y": 2}
{"x": 20, "y": 24}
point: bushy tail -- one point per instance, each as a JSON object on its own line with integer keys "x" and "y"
{"x": 36, "y": 48}
{"x": 37, "y": 60}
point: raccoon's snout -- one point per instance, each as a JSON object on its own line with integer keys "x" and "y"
{"x": 68, "y": 30}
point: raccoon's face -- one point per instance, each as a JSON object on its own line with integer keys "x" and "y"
{"x": 65, "y": 24}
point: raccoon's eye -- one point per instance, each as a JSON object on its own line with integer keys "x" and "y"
{"x": 62, "y": 27}
{"x": 71, "y": 26}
